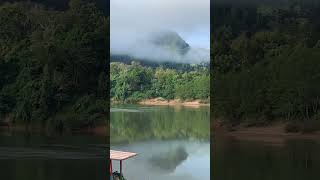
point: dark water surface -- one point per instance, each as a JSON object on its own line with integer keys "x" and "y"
{"x": 37, "y": 157}
{"x": 172, "y": 142}
{"x": 286, "y": 160}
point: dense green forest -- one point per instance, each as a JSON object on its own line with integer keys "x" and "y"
{"x": 265, "y": 64}
{"x": 133, "y": 82}
{"x": 53, "y": 65}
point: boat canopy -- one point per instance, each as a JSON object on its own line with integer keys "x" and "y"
{"x": 121, "y": 155}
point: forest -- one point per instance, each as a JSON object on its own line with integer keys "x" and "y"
{"x": 131, "y": 83}
{"x": 53, "y": 64}
{"x": 265, "y": 61}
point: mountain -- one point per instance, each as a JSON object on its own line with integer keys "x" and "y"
{"x": 170, "y": 41}
{"x": 161, "y": 47}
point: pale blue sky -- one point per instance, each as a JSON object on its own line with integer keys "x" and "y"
{"x": 198, "y": 38}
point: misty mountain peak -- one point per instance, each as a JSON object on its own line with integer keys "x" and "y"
{"x": 169, "y": 40}
{"x": 160, "y": 46}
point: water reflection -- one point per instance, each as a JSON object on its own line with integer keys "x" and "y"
{"x": 170, "y": 160}
{"x": 294, "y": 159}
{"x": 38, "y": 157}
{"x": 51, "y": 152}
{"x": 172, "y": 142}
{"x": 158, "y": 123}
{"x": 196, "y": 165}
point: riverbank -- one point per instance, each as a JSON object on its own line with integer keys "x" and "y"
{"x": 272, "y": 134}
{"x": 174, "y": 102}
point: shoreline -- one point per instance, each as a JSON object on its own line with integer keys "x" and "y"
{"x": 174, "y": 102}
{"x": 272, "y": 134}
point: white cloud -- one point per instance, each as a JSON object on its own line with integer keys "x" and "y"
{"x": 133, "y": 19}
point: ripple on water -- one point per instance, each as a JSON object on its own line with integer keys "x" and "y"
{"x": 52, "y": 152}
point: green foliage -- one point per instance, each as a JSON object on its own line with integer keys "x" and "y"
{"x": 51, "y": 61}
{"x": 134, "y": 82}
{"x": 268, "y": 71}
{"x": 164, "y": 83}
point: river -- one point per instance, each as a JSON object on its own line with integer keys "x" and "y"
{"x": 172, "y": 142}
{"x": 277, "y": 159}
{"x": 40, "y": 157}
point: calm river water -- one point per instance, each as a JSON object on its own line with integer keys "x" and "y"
{"x": 38, "y": 157}
{"x": 172, "y": 142}
{"x": 291, "y": 159}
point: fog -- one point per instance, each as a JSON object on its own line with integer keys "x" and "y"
{"x": 132, "y": 22}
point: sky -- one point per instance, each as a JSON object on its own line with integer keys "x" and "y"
{"x": 130, "y": 19}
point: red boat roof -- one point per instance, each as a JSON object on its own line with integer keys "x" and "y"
{"x": 121, "y": 155}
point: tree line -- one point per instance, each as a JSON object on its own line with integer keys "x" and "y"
{"x": 134, "y": 82}
{"x": 53, "y": 65}
{"x": 265, "y": 64}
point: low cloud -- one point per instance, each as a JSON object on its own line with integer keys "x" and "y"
{"x": 132, "y": 22}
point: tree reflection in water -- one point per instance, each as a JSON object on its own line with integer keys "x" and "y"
{"x": 170, "y": 160}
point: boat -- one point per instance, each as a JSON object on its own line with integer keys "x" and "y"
{"x": 119, "y": 156}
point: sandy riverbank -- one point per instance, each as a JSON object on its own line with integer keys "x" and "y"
{"x": 176, "y": 102}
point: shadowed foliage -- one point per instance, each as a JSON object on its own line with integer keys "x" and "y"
{"x": 265, "y": 64}
{"x": 53, "y": 65}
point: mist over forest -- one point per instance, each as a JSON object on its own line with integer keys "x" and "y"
{"x": 161, "y": 46}
{"x": 161, "y": 31}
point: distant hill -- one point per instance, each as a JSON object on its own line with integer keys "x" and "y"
{"x": 161, "y": 48}
{"x": 170, "y": 41}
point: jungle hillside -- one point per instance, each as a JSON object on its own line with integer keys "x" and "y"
{"x": 265, "y": 64}
{"x": 53, "y": 64}
{"x": 161, "y": 66}
{"x": 131, "y": 83}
